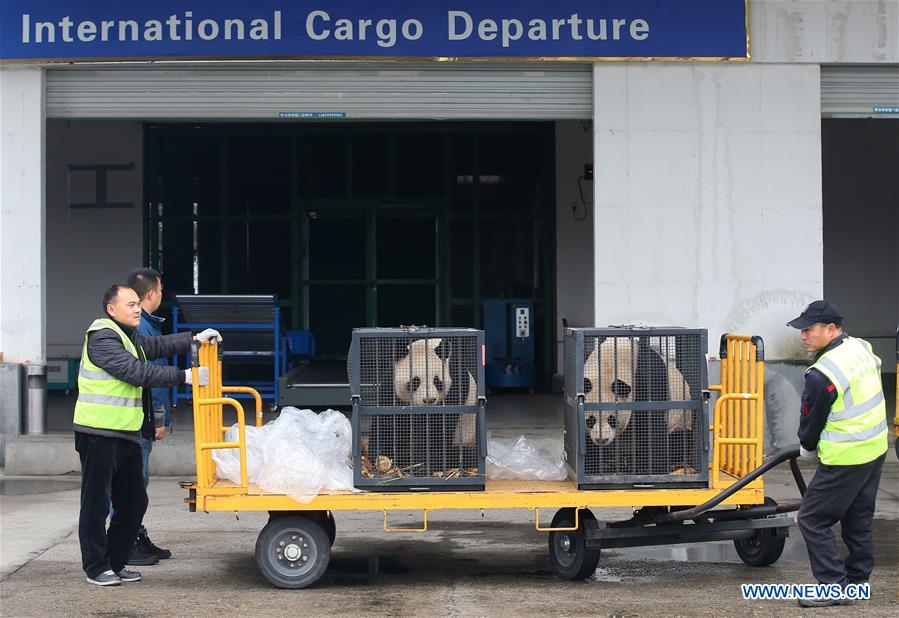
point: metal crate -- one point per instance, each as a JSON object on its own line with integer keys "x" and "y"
{"x": 418, "y": 408}
{"x": 635, "y": 407}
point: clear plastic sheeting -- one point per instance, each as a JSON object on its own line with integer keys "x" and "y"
{"x": 299, "y": 454}
{"x": 525, "y": 459}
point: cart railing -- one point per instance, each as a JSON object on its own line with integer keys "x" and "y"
{"x": 208, "y": 402}
{"x": 738, "y": 419}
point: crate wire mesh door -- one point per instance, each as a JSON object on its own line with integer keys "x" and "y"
{"x": 635, "y": 406}
{"x": 418, "y": 408}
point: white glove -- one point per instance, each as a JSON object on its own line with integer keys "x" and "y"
{"x": 207, "y": 335}
{"x": 804, "y": 454}
{"x": 202, "y": 373}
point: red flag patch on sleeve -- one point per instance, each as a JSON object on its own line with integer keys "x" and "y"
{"x": 830, "y": 388}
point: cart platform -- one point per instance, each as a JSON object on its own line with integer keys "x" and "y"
{"x": 227, "y": 496}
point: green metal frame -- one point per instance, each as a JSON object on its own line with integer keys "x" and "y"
{"x": 439, "y": 207}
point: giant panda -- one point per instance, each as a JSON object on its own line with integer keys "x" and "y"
{"x": 425, "y": 373}
{"x": 626, "y": 369}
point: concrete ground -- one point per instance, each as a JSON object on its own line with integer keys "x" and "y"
{"x": 465, "y": 564}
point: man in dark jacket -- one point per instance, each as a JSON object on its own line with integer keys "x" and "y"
{"x": 147, "y": 283}
{"x": 843, "y": 424}
{"x": 112, "y": 409}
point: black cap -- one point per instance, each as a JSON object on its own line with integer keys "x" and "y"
{"x": 818, "y": 312}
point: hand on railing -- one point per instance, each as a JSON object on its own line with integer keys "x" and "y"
{"x": 202, "y": 376}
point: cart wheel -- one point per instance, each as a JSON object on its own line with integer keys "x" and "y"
{"x": 568, "y": 551}
{"x": 763, "y": 548}
{"x": 292, "y": 551}
{"x": 326, "y": 519}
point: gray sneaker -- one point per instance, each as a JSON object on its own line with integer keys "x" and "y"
{"x": 106, "y": 578}
{"x": 128, "y": 576}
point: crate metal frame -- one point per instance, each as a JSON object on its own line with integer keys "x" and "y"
{"x": 577, "y": 408}
{"x": 361, "y": 411}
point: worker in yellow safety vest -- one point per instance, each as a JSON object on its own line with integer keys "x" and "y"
{"x": 113, "y": 407}
{"x": 843, "y": 423}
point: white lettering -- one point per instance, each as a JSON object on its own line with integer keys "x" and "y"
{"x": 172, "y": 23}
{"x": 105, "y": 27}
{"x": 557, "y": 27}
{"x": 466, "y": 19}
{"x": 232, "y": 25}
{"x": 511, "y": 31}
{"x": 66, "y": 25}
{"x": 127, "y": 24}
{"x": 537, "y": 30}
{"x": 310, "y": 25}
{"x": 639, "y": 29}
{"x": 363, "y": 27}
{"x": 47, "y": 26}
{"x": 616, "y": 28}
{"x": 259, "y": 30}
{"x": 87, "y": 31}
{"x": 596, "y": 36}
{"x": 386, "y": 29}
{"x": 152, "y": 30}
{"x": 487, "y": 29}
{"x": 408, "y": 31}
{"x": 575, "y": 22}
{"x": 26, "y": 28}
{"x": 188, "y": 26}
{"x": 343, "y": 30}
{"x": 277, "y": 25}
{"x": 208, "y": 29}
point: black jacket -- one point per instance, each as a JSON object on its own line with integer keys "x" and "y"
{"x": 105, "y": 350}
{"x": 818, "y": 396}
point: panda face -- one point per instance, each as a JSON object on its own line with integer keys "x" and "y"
{"x": 610, "y": 374}
{"x": 604, "y": 427}
{"x": 609, "y": 377}
{"x": 422, "y": 377}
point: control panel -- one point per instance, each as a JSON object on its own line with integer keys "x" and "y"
{"x": 522, "y": 322}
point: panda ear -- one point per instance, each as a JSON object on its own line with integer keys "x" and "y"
{"x": 400, "y": 348}
{"x": 445, "y": 351}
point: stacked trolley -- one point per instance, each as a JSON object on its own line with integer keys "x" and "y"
{"x": 719, "y": 464}
{"x": 251, "y": 324}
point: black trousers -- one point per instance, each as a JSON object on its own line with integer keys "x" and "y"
{"x": 844, "y": 494}
{"x": 111, "y": 471}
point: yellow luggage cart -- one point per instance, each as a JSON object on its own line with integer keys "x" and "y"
{"x": 293, "y": 549}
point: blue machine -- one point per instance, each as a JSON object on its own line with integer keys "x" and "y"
{"x": 509, "y": 335}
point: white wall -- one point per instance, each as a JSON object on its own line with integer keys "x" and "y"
{"x": 574, "y": 237}
{"x": 89, "y": 249}
{"x": 708, "y": 197}
{"x": 824, "y": 31}
{"x": 22, "y": 306}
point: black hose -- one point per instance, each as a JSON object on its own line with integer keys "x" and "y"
{"x": 790, "y": 453}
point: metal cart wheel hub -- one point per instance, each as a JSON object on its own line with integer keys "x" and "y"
{"x": 567, "y": 553}
{"x": 292, "y": 554}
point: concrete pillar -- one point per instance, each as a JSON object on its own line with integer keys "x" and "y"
{"x": 22, "y": 250}
{"x": 22, "y": 215}
{"x": 708, "y": 197}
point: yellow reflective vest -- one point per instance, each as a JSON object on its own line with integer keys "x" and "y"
{"x": 856, "y": 428}
{"x": 105, "y": 402}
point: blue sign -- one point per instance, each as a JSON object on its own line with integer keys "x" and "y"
{"x": 259, "y": 29}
